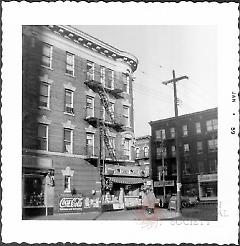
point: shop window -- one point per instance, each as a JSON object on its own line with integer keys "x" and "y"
{"x": 173, "y": 150}
{"x": 126, "y": 115}
{"x": 68, "y": 101}
{"x": 160, "y": 134}
{"x": 110, "y": 80}
{"x": 137, "y": 152}
{"x": 69, "y": 64}
{"x": 212, "y": 125}
{"x": 212, "y": 166}
{"x": 67, "y": 183}
{"x": 145, "y": 150}
{"x": 89, "y": 106}
{"x": 44, "y": 95}
{"x": 90, "y": 70}
{"x": 212, "y": 145}
{"x": 126, "y": 150}
{"x": 172, "y": 132}
{"x": 185, "y": 130}
{"x": 68, "y": 135}
{"x": 42, "y": 136}
{"x": 201, "y": 167}
{"x": 90, "y": 143}
{"x": 47, "y": 55}
{"x": 186, "y": 149}
{"x": 125, "y": 82}
{"x": 102, "y": 75}
{"x": 186, "y": 167}
{"x": 199, "y": 147}
{"x": 198, "y": 127}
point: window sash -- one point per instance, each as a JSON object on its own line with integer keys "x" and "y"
{"x": 47, "y": 55}
{"x": 126, "y": 115}
{"x": 199, "y": 147}
{"x": 198, "y": 127}
{"x": 69, "y": 101}
{"x": 68, "y": 140}
{"x": 69, "y": 63}
{"x": 42, "y": 133}
{"x": 172, "y": 132}
{"x": 102, "y": 75}
{"x": 211, "y": 125}
{"x": 186, "y": 148}
{"x": 160, "y": 134}
{"x": 185, "y": 130}
{"x": 145, "y": 151}
{"x": 44, "y": 95}
{"x": 137, "y": 153}
{"x": 201, "y": 167}
{"x": 126, "y": 82}
{"x": 67, "y": 183}
{"x": 212, "y": 145}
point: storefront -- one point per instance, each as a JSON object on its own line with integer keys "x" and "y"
{"x": 123, "y": 187}
{"x": 37, "y": 186}
{"x": 207, "y": 187}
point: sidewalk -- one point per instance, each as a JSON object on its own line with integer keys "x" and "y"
{"x": 134, "y": 214}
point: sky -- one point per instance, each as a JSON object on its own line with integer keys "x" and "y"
{"x": 189, "y": 50}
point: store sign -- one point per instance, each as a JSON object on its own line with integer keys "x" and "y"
{"x": 207, "y": 177}
{"x": 161, "y": 183}
{"x": 70, "y": 204}
{"x": 124, "y": 171}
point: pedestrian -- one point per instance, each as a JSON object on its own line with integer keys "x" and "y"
{"x": 150, "y": 201}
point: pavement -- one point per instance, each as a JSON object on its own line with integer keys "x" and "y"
{"x": 133, "y": 214}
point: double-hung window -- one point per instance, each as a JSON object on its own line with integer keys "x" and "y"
{"x": 173, "y": 150}
{"x": 186, "y": 149}
{"x": 67, "y": 183}
{"x": 89, "y": 106}
{"x": 160, "y": 134}
{"x": 126, "y": 149}
{"x": 126, "y": 115}
{"x": 68, "y": 140}
{"x": 161, "y": 152}
{"x": 102, "y": 75}
{"x": 90, "y": 143}
{"x": 172, "y": 132}
{"x": 212, "y": 145}
{"x": 69, "y": 63}
{"x": 47, "y": 55}
{"x": 212, "y": 165}
{"x": 186, "y": 167}
{"x": 68, "y": 101}
{"x": 212, "y": 125}
{"x": 185, "y": 130}
{"x": 44, "y": 95}
{"x": 199, "y": 147}
{"x": 137, "y": 153}
{"x": 198, "y": 127}
{"x": 110, "y": 80}
{"x": 90, "y": 70}
{"x": 126, "y": 80}
{"x": 201, "y": 167}
{"x": 145, "y": 151}
{"x": 42, "y": 136}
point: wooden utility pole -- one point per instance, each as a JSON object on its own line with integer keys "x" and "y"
{"x": 178, "y": 164}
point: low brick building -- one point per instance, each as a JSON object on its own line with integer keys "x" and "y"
{"x": 198, "y": 153}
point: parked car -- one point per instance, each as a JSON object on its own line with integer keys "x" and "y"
{"x": 186, "y": 201}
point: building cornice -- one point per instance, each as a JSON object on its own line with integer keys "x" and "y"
{"x": 93, "y": 44}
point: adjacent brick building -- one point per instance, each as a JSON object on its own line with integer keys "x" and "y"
{"x": 72, "y": 82}
{"x": 198, "y": 153}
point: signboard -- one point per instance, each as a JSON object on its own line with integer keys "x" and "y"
{"x": 133, "y": 171}
{"x": 207, "y": 177}
{"x": 160, "y": 183}
{"x": 70, "y": 204}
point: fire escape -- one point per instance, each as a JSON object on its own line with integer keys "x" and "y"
{"x": 99, "y": 88}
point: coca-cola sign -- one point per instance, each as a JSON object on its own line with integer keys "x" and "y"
{"x": 73, "y": 204}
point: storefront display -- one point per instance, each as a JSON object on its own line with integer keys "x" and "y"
{"x": 207, "y": 186}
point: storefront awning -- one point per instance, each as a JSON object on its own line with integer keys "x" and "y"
{"x": 126, "y": 180}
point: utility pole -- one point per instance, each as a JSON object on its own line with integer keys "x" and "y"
{"x": 178, "y": 164}
{"x": 163, "y": 169}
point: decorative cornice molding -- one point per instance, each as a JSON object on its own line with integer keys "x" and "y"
{"x": 43, "y": 119}
{"x": 69, "y": 87}
{"x": 68, "y": 124}
{"x": 94, "y": 44}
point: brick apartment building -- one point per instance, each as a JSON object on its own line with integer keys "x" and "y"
{"x": 77, "y": 114}
{"x": 197, "y": 149}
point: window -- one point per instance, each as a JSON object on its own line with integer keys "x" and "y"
{"x": 89, "y": 106}
{"x": 112, "y": 143}
{"x": 67, "y": 183}
{"x": 212, "y": 145}
{"x": 126, "y": 115}
{"x": 90, "y": 143}
{"x": 47, "y": 55}
{"x": 186, "y": 167}
{"x": 68, "y": 140}
{"x": 106, "y": 116}
{"x": 212, "y": 125}
{"x": 198, "y": 127}
{"x": 137, "y": 152}
{"x": 212, "y": 165}
{"x": 161, "y": 152}
{"x": 199, "y": 147}
{"x": 186, "y": 149}
{"x": 200, "y": 166}
{"x": 90, "y": 70}
{"x": 102, "y": 75}
{"x": 160, "y": 134}
{"x": 185, "y": 130}
{"x": 68, "y": 101}
{"x": 145, "y": 151}
{"x": 110, "y": 80}
{"x": 126, "y": 82}
{"x": 69, "y": 64}
{"x": 44, "y": 95}
{"x": 42, "y": 134}
{"x": 172, "y": 132}
{"x": 126, "y": 149}
{"x": 173, "y": 150}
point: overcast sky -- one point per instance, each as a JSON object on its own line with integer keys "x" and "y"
{"x": 190, "y": 50}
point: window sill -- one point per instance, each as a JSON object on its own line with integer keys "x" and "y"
{"x": 68, "y": 153}
{"x": 45, "y": 108}
{"x": 67, "y": 191}
{"x": 72, "y": 76}
{"x": 69, "y": 114}
{"x": 49, "y": 68}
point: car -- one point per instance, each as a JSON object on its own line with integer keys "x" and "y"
{"x": 186, "y": 201}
